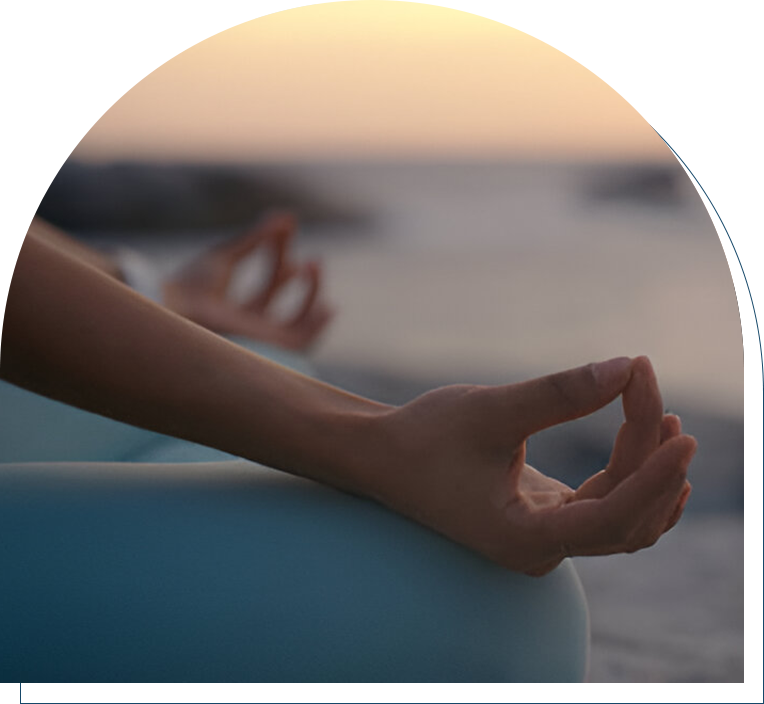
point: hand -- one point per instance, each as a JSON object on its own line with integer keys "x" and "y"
{"x": 460, "y": 452}
{"x": 200, "y": 291}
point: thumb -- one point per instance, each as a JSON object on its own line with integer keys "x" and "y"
{"x": 557, "y": 398}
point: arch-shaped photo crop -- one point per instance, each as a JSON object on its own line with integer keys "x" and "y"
{"x": 334, "y": 340}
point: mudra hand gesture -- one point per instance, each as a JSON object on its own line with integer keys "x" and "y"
{"x": 200, "y": 291}
{"x": 463, "y": 453}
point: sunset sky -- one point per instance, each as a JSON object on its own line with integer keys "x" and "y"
{"x": 370, "y": 79}
{"x": 693, "y": 68}
{"x": 387, "y": 78}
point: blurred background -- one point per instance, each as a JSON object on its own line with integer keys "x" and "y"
{"x": 487, "y": 210}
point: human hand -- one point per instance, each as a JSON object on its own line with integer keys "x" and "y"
{"x": 200, "y": 291}
{"x": 459, "y": 454}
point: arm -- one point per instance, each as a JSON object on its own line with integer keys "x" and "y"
{"x": 79, "y": 336}
{"x": 43, "y": 230}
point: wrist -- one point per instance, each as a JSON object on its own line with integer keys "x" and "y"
{"x": 371, "y": 455}
{"x": 348, "y": 446}
{"x": 308, "y": 428}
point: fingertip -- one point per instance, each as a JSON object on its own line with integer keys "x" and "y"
{"x": 675, "y": 518}
{"x": 614, "y": 372}
{"x": 691, "y": 443}
{"x": 679, "y": 508}
{"x": 643, "y": 367}
{"x": 671, "y": 459}
{"x": 646, "y": 365}
{"x": 644, "y": 386}
{"x": 280, "y": 226}
{"x": 671, "y": 426}
{"x": 685, "y": 447}
{"x": 642, "y": 402}
{"x": 643, "y": 361}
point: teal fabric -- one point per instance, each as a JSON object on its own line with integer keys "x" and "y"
{"x": 233, "y": 572}
{"x": 37, "y": 429}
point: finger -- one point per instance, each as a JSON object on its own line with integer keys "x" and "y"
{"x": 603, "y": 482}
{"x": 550, "y": 400}
{"x": 626, "y": 518}
{"x": 277, "y": 237}
{"x": 278, "y": 278}
{"x": 277, "y": 227}
{"x": 311, "y": 272}
{"x": 671, "y": 426}
{"x": 213, "y": 270}
{"x": 595, "y": 487}
{"x": 640, "y": 434}
{"x": 679, "y": 510}
{"x": 280, "y": 243}
{"x": 655, "y": 524}
{"x": 663, "y": 477}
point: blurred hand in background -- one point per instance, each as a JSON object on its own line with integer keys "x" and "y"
{"x": 201, "y": 290}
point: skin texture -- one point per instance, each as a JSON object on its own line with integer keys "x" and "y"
{"x": 453, "y": 459}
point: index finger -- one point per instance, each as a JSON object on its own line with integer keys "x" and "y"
{"x": 550, "y": 400}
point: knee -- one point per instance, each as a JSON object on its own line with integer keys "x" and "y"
{"x": 267, "y": 578}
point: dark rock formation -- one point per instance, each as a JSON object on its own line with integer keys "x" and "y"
{"x": 134, "y": 197}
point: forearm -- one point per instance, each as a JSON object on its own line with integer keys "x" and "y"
{"x": 76, "y": 335}
{"x": 43, "y": 230}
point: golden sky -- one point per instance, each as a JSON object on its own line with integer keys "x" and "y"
{"x": 693, "y": 68}
{"x": 371, "y": 78}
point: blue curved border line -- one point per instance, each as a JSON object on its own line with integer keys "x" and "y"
{"x": 740, "y": 217}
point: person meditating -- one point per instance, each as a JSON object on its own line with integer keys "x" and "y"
{"x": 208, "y": 589}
